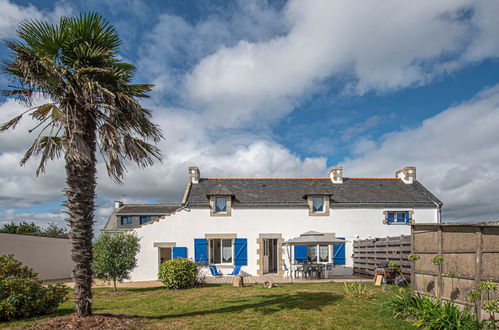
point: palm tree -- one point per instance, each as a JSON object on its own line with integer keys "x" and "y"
{"x": 90, "y": 104}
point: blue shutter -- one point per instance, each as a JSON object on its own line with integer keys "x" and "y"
{"x": 179, "y": 252}
{"x": 407, "y": 217}
{"x": 339, "y": 253}
{"x": 301, "y": 252}
{"x": 201, "y": 251}
{"x": 240, "y": 251}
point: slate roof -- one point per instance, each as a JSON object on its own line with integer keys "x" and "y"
{"x": 151, "y": 209}
{"x": 353, "y": 191}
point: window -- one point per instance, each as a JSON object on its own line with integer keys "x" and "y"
{"x": 126, "y": 220}
{"x": 220, "y": 251}
{"x": 220, "y": 204}
{"x": 398, "y": 217}
{"x": 323, "y": 253}
{"x": 144, "y": 219}
{"x": 317, "y": 204}
{"x": 312, "y": 253}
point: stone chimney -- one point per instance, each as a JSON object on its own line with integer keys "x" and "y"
{"x": 407, "y": 174}
{"x": 336, "y": 174}
{"x": 194, "y": 174}
{"x": 117, "y": 204}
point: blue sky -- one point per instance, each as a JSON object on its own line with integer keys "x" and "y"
{"x": 280, "y": 88}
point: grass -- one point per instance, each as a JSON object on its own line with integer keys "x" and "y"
{"x": 300, "y": 305}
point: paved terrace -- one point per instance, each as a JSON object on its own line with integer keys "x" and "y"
{"x": 224, "y": 280}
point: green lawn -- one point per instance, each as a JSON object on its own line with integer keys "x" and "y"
{"x": 303, "y": 305}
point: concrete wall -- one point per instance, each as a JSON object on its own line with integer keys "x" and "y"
{"x": 188, "y": 224}
{"x": 50, "y": 257}
{"x": 471, "y": 253}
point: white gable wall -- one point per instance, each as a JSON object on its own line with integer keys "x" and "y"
{"x": 182, "y": 228}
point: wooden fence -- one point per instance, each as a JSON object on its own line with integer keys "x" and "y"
{"x": 368, "y": 253}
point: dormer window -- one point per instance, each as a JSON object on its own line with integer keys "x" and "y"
{"x": 221, "y": 204}
{"x": 317, "y": 204}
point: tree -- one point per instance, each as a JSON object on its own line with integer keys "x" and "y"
{"x": 115, "y": 256}
{"x": 90, "y": 104}
{"x": 25, "y": 228}
{"x": 53, "y": 230}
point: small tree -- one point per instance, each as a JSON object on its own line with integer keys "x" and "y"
{"x": 115, "y": 257}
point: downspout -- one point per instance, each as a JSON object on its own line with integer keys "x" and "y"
{"x": 439, "y": 212}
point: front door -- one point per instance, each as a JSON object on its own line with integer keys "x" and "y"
{"x": 269, "y": 256}
{"x": 165, "y": 254}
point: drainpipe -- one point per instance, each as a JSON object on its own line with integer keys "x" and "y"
{"x": 439, "y": 212}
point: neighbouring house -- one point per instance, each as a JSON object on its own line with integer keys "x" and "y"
{"x": 129, "y": 216}
{"x": 228, "y": 222}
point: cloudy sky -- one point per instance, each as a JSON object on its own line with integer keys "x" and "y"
{"x": 288, "y": 89}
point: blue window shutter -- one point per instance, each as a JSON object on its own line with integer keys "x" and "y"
{"x": 339, "y": 253}
{"x": 179, "y": 252}
{"x": 201, "y": 251}
{"x": 301, "y": 252}
{"x": 240, "y": 251}
{"x": 407, "y": 217}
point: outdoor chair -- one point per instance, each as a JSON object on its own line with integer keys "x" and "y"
{"x": 236, "y": 270}
{"x": 328, "y": 271}
{"x": 287, "y": 272}
{"x": 214, "y": 271}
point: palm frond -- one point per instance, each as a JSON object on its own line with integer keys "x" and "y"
{"x": 50, "y": 147}
{"x": 11, "y": 123}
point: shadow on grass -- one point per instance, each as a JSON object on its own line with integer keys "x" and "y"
{"x": 162, "y": 288}
{"x": 265, "y": 304}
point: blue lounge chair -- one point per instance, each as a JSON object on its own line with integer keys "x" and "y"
{"x": 214, "y": 271}
{"x": 236, "y": 270}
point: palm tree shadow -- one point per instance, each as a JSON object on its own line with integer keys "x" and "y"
{"x": 267, "y": 304}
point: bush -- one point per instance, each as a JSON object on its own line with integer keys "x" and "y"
{"x": 22, "y": 293}
{"x": 427, "y": 312}
{"x": 178, "y": 273}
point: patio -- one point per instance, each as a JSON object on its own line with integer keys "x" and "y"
{"x": 282, "y": 279}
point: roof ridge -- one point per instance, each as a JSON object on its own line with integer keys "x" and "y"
{"x": 348, "y": 178}
{"x": 153, "y": 204}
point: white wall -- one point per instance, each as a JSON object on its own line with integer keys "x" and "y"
{"x": 188, "y": 224}
{"x": 50, "y": 257}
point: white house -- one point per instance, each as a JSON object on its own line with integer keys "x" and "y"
{"x": 227, "y": 222}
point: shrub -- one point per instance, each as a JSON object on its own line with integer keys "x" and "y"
{"x": 357, "y": 290}
{"x": 426, "y": 312}
{"x": 22, "y": 293}
{"x": 115, "y": 256}
{"x": 178, "y": 273}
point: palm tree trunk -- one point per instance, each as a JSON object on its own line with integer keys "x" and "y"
{"x": 80, "y": 193}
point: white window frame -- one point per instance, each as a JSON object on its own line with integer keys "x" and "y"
{"x": 323, "y": 204}
{"x": 226, "y": 205}
{"x": 406, "y": 221}
{"x": 317, "y": 249}
{"x": 221, "y": 251}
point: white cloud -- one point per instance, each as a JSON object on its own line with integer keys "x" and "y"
{"x": 11, "y": 14}
{"x": 251, "y": 67}
{"x": 456, "y": 154}
{"x": 379, "y": 45}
